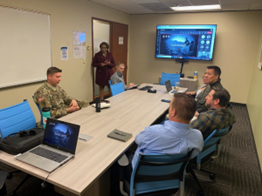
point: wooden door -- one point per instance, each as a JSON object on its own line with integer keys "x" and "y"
{"x": 119, "y": 44}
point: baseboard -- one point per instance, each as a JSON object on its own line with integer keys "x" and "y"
{"x": 238, "y": 104}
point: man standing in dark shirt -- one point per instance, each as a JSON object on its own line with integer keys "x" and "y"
{"x": 217, "y": 116}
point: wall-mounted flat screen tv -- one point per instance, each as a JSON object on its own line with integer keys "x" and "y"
{"x": 185, "y": 41}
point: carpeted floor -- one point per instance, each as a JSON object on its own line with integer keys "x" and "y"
{"x": 237, "y": 168}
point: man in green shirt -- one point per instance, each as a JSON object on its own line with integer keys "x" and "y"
{"x": 54, "y": 97}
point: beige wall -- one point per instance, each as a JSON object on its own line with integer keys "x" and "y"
{"x": 235, "y": 48}
{"x": 66, "y": 16}
{"x": 254, "y": 104}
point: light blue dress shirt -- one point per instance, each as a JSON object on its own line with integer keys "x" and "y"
{"x": 169, "y": 138}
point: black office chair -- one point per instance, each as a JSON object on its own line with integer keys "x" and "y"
{"x": 210, "y": 151}
{"x": 3, "y": 176}
{"x": 156, "y": 174}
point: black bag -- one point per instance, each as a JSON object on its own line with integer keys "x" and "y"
{"x": 22, "y": 141}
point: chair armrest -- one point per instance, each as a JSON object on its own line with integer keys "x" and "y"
{"x": 3, "y": 176}
{"x": 123, "y": 161}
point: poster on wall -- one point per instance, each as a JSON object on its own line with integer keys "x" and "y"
{"x": 64, "y": 53}
{"x": 79, "y": 45}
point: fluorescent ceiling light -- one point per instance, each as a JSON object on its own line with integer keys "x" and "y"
{"x": 199, "y": 7}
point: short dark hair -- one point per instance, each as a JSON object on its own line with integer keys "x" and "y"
{"x": 104, "y": 43}
{"x": 217, "y": 70}
{"x": 223, "y": 96}
{"x": 52, "y": 70}
{"x": 120, "y": 63}
{"x": 185, "y": 105}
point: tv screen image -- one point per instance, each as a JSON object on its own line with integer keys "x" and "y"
{"x": 185, "y": 41}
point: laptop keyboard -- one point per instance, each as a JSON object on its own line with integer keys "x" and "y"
{"x": 49, "y": 154}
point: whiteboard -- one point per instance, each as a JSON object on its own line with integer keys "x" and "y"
{"x": 25, "y": 47}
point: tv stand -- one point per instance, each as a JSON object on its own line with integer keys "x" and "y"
{"x": 182, "y": 61}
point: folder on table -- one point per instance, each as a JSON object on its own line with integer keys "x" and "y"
{"x": 120, "y": 135}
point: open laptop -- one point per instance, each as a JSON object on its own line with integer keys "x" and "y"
{"x": 59, "y": 146}
{"x": 169, "y": 87}
{"x": 133, "y": 87}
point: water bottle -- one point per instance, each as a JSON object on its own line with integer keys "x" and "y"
{"x": 46, "y": 113}
{"x": 98, "y": 106}
{"x": 195, "y": 74}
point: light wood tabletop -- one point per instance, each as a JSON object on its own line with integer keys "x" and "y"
{"x": 130, "y": 111}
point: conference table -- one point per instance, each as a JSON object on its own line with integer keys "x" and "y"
{"x": 130, "y": 111}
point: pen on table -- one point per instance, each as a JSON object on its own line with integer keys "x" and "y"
{"x": 119, "y": 134}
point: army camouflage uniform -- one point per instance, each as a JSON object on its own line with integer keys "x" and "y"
{"x": 56, "y": 99}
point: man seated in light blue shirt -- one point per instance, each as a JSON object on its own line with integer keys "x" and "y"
{"x": 175, "y": 135}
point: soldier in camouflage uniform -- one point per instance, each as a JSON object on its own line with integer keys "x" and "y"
{"x": 53, "y": 96}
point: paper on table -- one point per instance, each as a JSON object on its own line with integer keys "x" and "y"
{"x": 84, "y": 137}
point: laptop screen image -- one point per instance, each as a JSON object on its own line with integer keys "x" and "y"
{"x": 61, "y": 135}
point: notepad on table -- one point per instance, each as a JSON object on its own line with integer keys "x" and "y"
{"x": 120, "y": 135}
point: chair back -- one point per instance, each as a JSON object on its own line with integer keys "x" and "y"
{"x": 116, "y": 88}
{"x": 158, "y": 172}
{"x": 173, "y": 77}
{"x": 41, "y": 115}
{"x": 16, "y": 118}
{"x": 211, "y": 144}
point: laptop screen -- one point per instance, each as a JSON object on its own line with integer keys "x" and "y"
{"x": 168, "y": 85}
{"x": 61, "y": 135}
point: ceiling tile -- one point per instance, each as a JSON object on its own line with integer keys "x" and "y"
{"x": 204, "y": 2}
{"x": 255, "y": 1}
{"x": 234, "y": 1}
{"x": 156, "y": 7}
{"x": 174, "y": 3}
{"x": 255, "y": 6}
{"x": 233, "y": 6}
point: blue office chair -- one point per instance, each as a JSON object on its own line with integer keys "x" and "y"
{"x": 14, "y": 119}
{"x": 41, "y": 115}
{"x": 157, "y": 173}
{"x": 173, "y": 77}
{"x": 116, "y": 88}
{"x": 209, "y": 152}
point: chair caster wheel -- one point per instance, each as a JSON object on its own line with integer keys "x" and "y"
{"x": 212, "y": 176}
{"x": 9, "y": 176}
{"x": 200, "y": 193}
